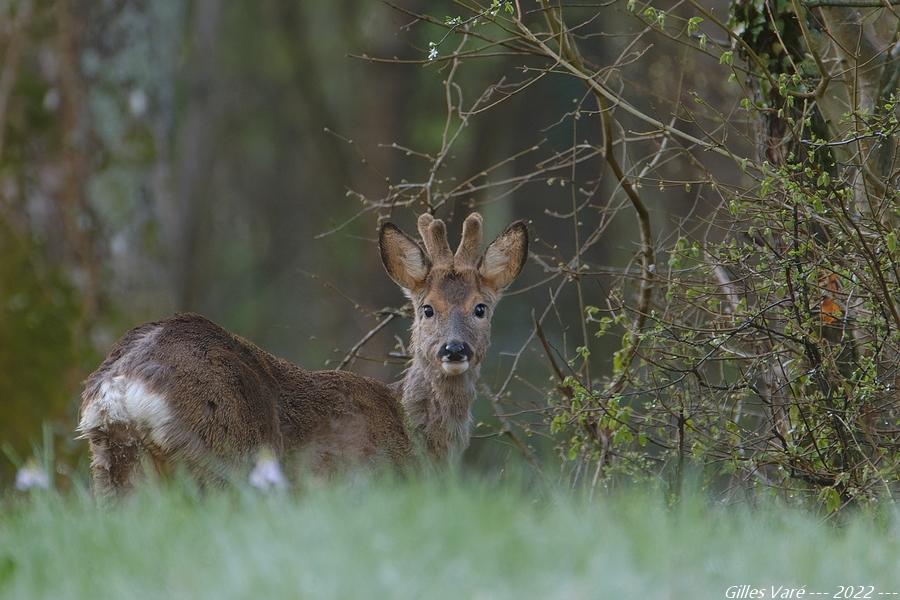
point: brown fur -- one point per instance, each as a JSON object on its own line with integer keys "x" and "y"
{"x": 437, "y": 405}
{"x": 228, "y": 399}
{"x": 185, "y": 391}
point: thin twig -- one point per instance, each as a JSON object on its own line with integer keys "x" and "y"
{"x": 351, "y": 356}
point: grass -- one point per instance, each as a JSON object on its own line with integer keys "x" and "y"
{"x": 459, "y": 539}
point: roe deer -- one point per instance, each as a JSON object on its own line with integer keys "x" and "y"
{"x": 184, "y": 390}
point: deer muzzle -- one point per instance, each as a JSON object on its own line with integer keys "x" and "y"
{"x": 455, "y": 356}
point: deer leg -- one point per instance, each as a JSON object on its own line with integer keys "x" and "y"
{"x": 115, "y": 453}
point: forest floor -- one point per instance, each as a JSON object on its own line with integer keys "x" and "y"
{"x": 461, "y": 539}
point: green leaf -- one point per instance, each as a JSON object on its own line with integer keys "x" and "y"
{"x": 830, "y": 497}
{"x": 622, "y": 436}
{"x": 694, "y": 24}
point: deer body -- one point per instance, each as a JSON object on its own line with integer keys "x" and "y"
{"x": 438, "y": 411}
{"x": 185, "y": 391}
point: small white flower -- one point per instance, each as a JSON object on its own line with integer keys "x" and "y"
{"x": 32, "y": 477}
{"x": 432, "y": 51}
{"x": 266, "y": 474}
{"x": 51, "y": 100}
{"x": 137, "y": 102}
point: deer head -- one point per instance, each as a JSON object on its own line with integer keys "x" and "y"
{"x": 454, "y": 295}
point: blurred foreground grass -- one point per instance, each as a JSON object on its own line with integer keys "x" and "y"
{"x": 460, "y": 539}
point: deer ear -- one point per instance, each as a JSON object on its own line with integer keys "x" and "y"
{"x": 403, "y": 260}
{"x": 505, "y": 257}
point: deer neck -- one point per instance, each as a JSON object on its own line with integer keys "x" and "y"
{"x": 438, "y": 409}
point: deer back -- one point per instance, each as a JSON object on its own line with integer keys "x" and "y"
{"x": 187, "y": 390}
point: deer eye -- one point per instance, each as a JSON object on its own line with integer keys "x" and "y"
{"x": 480, "y": 310}
{"x": 427, "y": 311}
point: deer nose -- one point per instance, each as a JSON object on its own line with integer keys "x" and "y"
{"x": 455, "y": 351}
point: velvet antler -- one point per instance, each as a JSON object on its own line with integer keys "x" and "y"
{"x": 467, "y": 253}
{"x": 434, "y": 234}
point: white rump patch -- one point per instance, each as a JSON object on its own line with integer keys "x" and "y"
{"x": 127, "y": 401}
